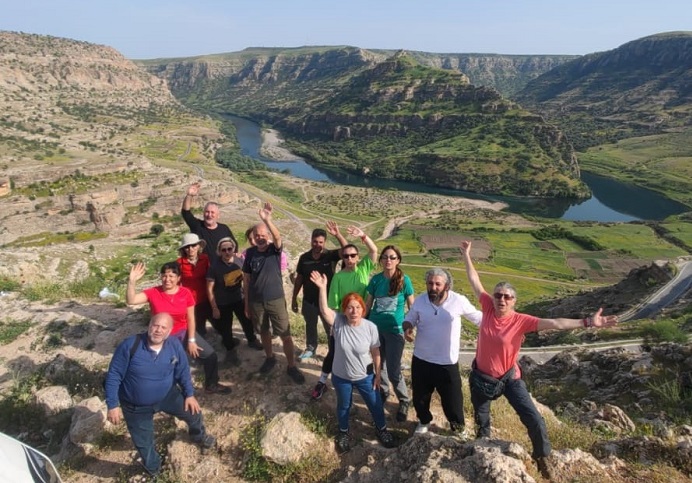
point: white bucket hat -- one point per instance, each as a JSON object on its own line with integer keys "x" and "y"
{"x": 192, "y": 239}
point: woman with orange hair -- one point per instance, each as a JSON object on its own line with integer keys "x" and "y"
{"x": 356, "y": 362}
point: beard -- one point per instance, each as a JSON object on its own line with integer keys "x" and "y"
{"x": 435, "y": 296}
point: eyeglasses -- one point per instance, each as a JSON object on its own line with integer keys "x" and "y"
{"x": 390, "y": 257}
{"x": 500, "y": 296}
{"x": 350, "y": 255}
{"x": 186, "y": 247}
{"x": 225, "y": 250}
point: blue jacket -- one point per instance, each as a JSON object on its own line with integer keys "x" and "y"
{"x": 146, "y": 378}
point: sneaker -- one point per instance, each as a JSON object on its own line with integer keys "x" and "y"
{"x": 295, "y": 374}
{"x": 343, "y": 442}
{"x": 255, "y": 344}
{"x": 386, "y": 438}
{"x": 544, "y": 468}
{"x": 318, "y": 391}
{"x": 402, "y": 413}
{"x": 307, "y": 354}
{"x": 268, "y": 365}
{"x": 207, "y": 441}
{"x": 421, "y": 428}
{"x": 217, "y": 389}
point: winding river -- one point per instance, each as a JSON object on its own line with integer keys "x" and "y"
{"x": 612, "y": 201}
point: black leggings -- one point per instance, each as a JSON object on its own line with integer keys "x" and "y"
{"x": 329, "y": 359}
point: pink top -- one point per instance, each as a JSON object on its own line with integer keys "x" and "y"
{"x": 499, "y": 339}
{"x": 174, "y": 304}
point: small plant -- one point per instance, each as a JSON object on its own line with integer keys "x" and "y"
{"x": 10, "y": 330}
{"x": 8, "y": 285}
{"x": 256, "y": 466}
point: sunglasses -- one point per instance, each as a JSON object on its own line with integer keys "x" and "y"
{"x": 225, "y": 250}
{"x": 500, "y": 296}
{"x": 390, "y": 257}
{"x": 186, "y": 247}
{"x": 350, "y": 255}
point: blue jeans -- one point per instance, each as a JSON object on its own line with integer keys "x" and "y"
{"x": 344, "y": 399}
{"x": 140, "y": 424}
{"x": 520, "y": 399}
{"x": 391, "y": 350}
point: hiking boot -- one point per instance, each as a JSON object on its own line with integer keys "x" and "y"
{"x": 385, "y": 437}
{"x": 343, "y": 442}
{"x": 268, "y": 365}
{"x": 318, "y": 391}
{"x": 255, "y": 344}
{"x": 295, "y": 374}
{"x": 544, "y": 468}
{"x": 307, "y": 353}
{"x": 217, "y": 389}
{"x": 402, "y": 413}
{"x": 421, "y": 428}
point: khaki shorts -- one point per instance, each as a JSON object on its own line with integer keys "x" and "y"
{"x": 271, "y": 311}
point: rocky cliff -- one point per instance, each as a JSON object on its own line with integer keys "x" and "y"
{"x": 639, "y": 88}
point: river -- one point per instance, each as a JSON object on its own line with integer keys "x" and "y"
{"x": 612, "y": 201}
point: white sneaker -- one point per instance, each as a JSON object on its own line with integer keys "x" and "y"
{"x": 421, "y": 428}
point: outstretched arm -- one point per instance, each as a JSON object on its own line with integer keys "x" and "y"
{"x": 265, "y": 215}
{"x": 320, "y": 280}
{"x": 597, "y": 320}
{"x": 372, "y": 248}
{"x": 471, "y": 272}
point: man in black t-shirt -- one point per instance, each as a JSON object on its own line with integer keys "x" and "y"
{"x": 208, "y": 229}
{"x": 264, "y": 293}
{"x": 322, "y": 260}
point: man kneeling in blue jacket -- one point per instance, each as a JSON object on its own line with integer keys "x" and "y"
{"x": 148, "y": 373}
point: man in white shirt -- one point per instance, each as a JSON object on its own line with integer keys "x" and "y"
{"x": 436, "y": 318}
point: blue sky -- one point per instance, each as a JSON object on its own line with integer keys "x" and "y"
{"x": 176, "y": 28}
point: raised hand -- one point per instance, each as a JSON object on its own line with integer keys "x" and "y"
{"x": 319, "y": 279}
{"x": 137, "y": 272}
{"x": 265, "y": 213}
{"x": 355, "y": 231}
{"x": 465, "y": 247}
{"x": 332, "y": 228}
{"x": 193, "y": 190}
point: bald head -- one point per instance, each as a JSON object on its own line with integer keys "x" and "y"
{"x": 160, "y": 327}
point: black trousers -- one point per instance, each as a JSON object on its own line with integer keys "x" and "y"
{"x": 427, "y": 378}
{"x": 224, "y": 324}
{"x": 329, "y": 359}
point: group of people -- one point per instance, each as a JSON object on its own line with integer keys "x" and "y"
{"x": 367, "y": 320}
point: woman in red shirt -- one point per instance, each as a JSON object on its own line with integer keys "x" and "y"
{"x": 495, "y": 371}
{"x": 194, "y": 265}
{"x": 169, "y": 297}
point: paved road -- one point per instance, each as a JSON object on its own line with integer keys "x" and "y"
{"x": 665, "y": 296}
